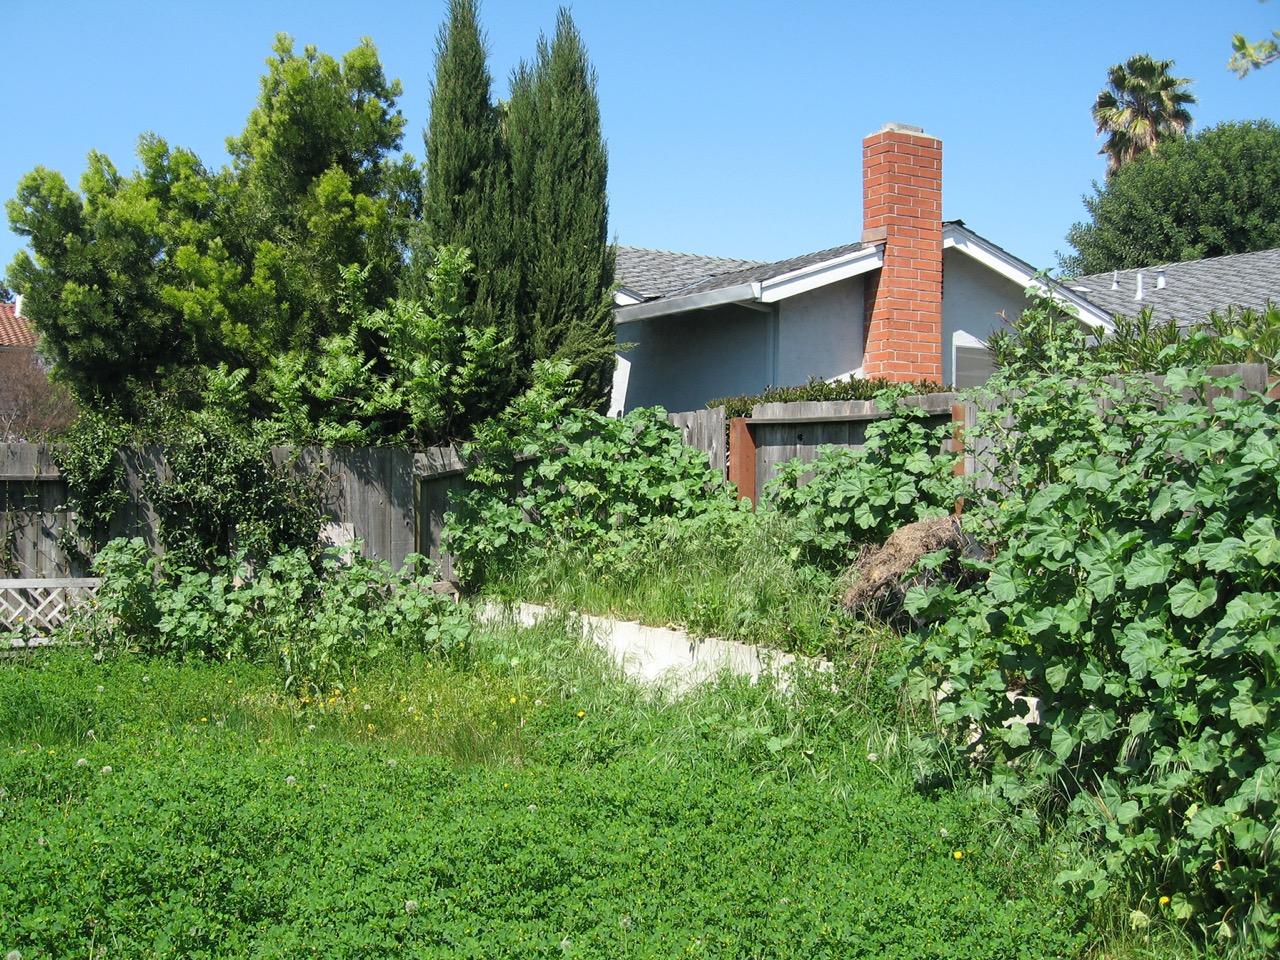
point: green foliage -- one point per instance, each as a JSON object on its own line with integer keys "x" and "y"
{"x": 88, "y": 459}
{"x": 467, "y": 200}
{"x": 1040, "y": 340}
{"x": 820, "y": 390}
{"x": 559, "y": 169}
{"x": 1253, "y": 55}
{"x": 318, "y": 623}
{"x": 220, "y": 493}
{"x": 850, "y": 498}
{"x": 412, "y": 371}
{"x": 575, "y": 828}
{"x": 140, "y": 276}
{"x": 546, "y": 477}
{"x": 1139, "y": 344}
{"x": 315, "y": 187}
{"x": 1207, "y": 195}
{"x": 214, "y": 488}
{"x": 1132, "y": 590}
{"x": 89, "y": 281}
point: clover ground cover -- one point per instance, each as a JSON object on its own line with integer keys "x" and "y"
{"x": 484, "y": 809}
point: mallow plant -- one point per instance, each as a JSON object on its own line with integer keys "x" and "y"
{"x": 1116, "y": 669}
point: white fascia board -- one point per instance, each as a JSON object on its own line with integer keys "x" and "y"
{"x": 740, "y": 293}
{"x": 1008, "y": 266}
{"x": 820, "y": 274}
{"x": 625, "y": 296}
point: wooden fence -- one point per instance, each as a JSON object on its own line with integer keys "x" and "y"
{"x": 778, "y": 432}
{"x": 365, "y": 493}
{"x": 395, "y": 501}
{"x": 706, "y": 430}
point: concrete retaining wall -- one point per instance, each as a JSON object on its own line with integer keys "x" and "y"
{"x": 660, "y": 655}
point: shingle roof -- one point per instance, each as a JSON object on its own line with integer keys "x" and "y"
{"x": 766, "y": 271}
{"x": 660, "y": 273}
{"x": 15, "y": 331}
{"x": 1192, "y": 289}
{"x": 657, "y": 273}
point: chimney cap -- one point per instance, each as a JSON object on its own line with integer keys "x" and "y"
{"x": 894, "y": 127}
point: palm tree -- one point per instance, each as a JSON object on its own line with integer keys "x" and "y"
{"x": 1141, "y": 106}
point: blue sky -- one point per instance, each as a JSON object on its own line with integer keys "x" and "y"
{"x": 733, "y": 127}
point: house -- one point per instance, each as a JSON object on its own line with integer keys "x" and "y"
{"x": 29, "y": 403}
{"x": 916, "y": 298}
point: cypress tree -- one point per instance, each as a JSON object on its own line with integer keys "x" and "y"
{"x": 559, "y": 168}
{"x": 467, "y": 192}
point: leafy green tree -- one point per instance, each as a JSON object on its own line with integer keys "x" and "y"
{"x": 138, "y": 279}
{"x": 315, "y": 186}
{"x": 1211, "y": 194}
{"x": 92, "y": 278}
{"x": 467, "y": 191}
{"x": 560, "y": 170}
{"x": 1141, "y": 106}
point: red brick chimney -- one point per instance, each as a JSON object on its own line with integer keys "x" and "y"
{"x": 902, "y": 206}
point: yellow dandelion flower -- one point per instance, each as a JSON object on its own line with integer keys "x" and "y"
{"x": 513, "y": 700}
{"x": 1164, "y": 901}
{"x": 957, "y": 855}
{"x": 581, "y": 714}
{"x": 204, "y": 719}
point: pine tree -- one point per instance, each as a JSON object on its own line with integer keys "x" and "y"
{"x": 559, "y": 169}
{"x": 467, "y": 192}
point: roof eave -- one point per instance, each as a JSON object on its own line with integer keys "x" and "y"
{"x": 739, "y": 293}
{"x": 956, "y": 236}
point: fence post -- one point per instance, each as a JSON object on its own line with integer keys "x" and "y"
{"x": 742, "y": 458}
{"x": 957, "y": 447}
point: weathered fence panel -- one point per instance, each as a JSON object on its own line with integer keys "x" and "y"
{"x": 705, "y": 430}
{"x": 31, "y": 493}
{"x": 784, "y": 431}
{"x": 440, "y": 473}
{"x": 365, "y": 493}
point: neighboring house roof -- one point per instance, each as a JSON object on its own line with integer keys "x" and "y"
{"x": 15, "y": 331}
{"x": 1191, "y": 291}
{"x": 658, "y": 273}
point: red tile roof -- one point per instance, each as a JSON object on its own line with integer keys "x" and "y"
{"x": 15, "y": 331}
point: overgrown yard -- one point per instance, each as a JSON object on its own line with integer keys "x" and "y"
{"x": 520, "y": 801}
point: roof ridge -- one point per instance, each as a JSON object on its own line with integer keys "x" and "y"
{"x": 683, "y": 253}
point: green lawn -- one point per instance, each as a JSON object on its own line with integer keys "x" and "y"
{"x": 519, "y": 803}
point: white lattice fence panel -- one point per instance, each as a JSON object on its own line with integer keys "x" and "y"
{"x": 39, "y": 606}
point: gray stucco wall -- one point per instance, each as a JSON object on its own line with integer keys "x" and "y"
{"x": 820, "y": 334}
{"x": 681, "y": 362}
{"x": 973, "y": 297}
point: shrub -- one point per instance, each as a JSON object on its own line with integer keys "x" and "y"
{"x": 1133, "y": 590}
{"x": 546, "y": 478}
{"x": 1143, "y": 344}
{"x": 317, "y": 623}
{"x": 819, "y": 390}
{"x": 216, "y": 490}
{"x": 850, "y": 497}
{"x": 221, "y": 494}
